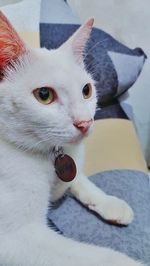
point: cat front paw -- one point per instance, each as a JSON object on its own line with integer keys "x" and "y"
{"x": 114, "y": 210}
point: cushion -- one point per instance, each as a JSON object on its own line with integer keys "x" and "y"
{"x": 112, "y": 145}
{"x": 75, "y": 221}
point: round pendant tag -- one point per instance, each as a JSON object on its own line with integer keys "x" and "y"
{"x": 65, "y": 167}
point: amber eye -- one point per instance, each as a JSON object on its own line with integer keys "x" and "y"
{"x": 44, "y": 95}
{"x": 87, "y": 91}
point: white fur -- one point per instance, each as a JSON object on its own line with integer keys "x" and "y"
{"x": 27, "y": 176}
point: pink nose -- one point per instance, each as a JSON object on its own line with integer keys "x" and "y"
{"x": 83, "y": 126}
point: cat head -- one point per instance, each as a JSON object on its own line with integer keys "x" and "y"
{"x": 46, "y": 97}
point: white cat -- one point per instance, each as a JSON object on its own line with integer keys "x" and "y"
{"x": 47, "y": 100}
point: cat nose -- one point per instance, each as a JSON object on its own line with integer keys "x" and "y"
{"x": 83, "y": 126}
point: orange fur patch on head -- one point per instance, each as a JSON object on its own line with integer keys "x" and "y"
{"x": 11, "y": 46}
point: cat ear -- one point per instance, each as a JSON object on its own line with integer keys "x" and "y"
{"x": 77, "y": 42}
{"x": 11, "y": 46}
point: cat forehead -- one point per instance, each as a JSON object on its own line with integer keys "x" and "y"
{"x": 58, "y": 65}
{"x": 42, "y": 67}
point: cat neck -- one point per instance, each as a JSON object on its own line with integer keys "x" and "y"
{"x": 12, "y": 148}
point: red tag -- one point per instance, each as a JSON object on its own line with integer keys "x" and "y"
{"x": 65, "y": 167}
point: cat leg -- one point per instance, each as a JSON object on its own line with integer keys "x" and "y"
{"x": 36, "y": 244}
{"x": 108, "y": 207}
{"x": 59, "y": 189}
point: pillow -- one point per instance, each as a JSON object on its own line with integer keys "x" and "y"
{"x": 114, "y": 66}
{"x": 74, "y": 220}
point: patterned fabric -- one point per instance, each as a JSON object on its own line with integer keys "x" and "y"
{"x": 75, "y": 221}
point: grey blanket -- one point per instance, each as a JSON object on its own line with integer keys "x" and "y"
{"x": 75, "y": 221}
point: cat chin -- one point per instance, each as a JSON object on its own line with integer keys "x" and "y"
{"x": 79, "y": 138}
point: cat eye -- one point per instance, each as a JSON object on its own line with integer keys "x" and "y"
{"x": 87, "y": 91}
{"x": 44, "y": 95}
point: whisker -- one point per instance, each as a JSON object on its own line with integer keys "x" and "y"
{"x": 91, "y": 67}
{"x": 45, "y": 130}
{"x": 91, "y": 49}
{"x": 47, "y": 140}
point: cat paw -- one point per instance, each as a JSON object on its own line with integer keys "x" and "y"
{"x": 114, "y": 210}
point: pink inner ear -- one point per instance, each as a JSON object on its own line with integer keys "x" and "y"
{"x": 11, "y": 46}
{"x": 80, "y": 39}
